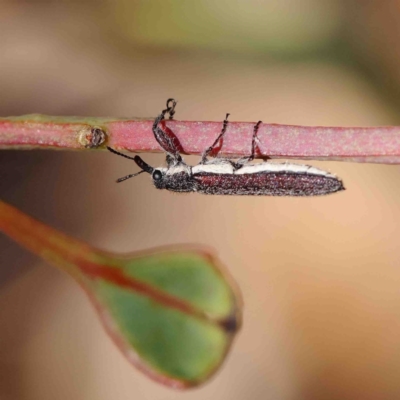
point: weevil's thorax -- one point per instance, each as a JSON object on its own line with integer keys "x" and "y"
{"x": 177, "y": 178}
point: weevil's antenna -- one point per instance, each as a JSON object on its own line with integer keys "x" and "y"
{"x": 120, "y": 154}
{"x": 124, "y": 178}
{"x": 141, "y": 164}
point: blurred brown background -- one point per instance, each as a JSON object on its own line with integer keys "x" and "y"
{"x": 320, "y": 277}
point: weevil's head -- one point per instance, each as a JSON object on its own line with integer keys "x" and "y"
{"x": 159, "y": 177}
{"x": 175, "y": 178}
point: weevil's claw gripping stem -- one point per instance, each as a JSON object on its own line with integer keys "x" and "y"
{"x": 170, "y": 108}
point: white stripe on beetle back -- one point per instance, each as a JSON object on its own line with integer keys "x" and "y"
{"x": 176, "y": 169}
{"x": 282, "y": 167}
{"x": 217, "y": 168}
{"x": 266, "y": 167}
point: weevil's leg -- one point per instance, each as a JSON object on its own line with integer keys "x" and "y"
{"x": 171, "y": 161}
{"x": 171, "y": 104}
{"x": 220, "y": 136}
{"x": 254, "y": 141}
{"x": 171, "y": 108}
{"x": 244, "y": 160}
{"x": 254, "y": 144}
{"x": 164, "y": 140}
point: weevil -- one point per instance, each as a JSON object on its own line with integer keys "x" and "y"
{"x": 222, "y": 176}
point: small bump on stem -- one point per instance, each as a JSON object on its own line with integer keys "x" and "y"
{"x": 92, "y": 137}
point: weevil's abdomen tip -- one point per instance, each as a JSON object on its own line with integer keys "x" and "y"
{"x": 340, "y": 186}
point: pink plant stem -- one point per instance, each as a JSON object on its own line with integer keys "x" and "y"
{"x": 372, "y": 144}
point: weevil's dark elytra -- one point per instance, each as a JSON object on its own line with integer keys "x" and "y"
{"x": 230, "y": 177}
